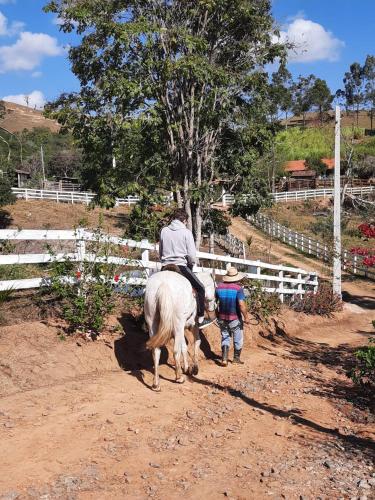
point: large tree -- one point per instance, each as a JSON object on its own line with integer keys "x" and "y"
{"x": 321, "y": 98}
{"x": 369, "y": 82}
{"x": 302, "y": 97}
{"x": 354, "y": 88}
{"x": 183, "y": 70}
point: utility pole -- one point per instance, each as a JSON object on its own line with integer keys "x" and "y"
{"x": 337, "y": 211}
{"x": 42, "y": 160}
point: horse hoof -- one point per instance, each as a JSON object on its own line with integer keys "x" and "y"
{"x": 156, "y": 388}
{"x": 195, "y": 370}
{"x": 180, "y": 380}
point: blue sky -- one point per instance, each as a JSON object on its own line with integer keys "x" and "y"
{"x": 329, "y": 35}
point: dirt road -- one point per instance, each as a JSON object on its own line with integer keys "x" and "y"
{"x": 287, "y": 424}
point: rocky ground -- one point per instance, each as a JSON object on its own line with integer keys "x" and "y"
{"x": 287, "y": 424}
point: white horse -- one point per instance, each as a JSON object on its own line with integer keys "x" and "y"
{"x": 170, "y": 307}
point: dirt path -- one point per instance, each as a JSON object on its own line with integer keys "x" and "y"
{"x": 356, "y": 291}
{"x": 287, "y": 424}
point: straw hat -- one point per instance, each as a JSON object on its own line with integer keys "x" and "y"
{"x": 233, "y": 275}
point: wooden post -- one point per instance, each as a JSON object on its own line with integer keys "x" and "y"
{"x": 281, "y": 286}
{"x": 337, "y": 212}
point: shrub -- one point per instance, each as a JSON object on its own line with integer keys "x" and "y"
{"x": 324, "y": 302}
{"x": 85, "y": 290}
{"x": 363, "y": 372}
{"x": 262, "y": 305}
{"x": 6, "y": 195}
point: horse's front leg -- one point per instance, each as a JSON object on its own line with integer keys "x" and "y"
{"x": 197, "y": 344}
{"x": 156, "y": 357}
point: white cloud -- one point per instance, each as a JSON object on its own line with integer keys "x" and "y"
{"x": 9, "y": 30}
{"x": 312, "y": 42}
{"x": 3, "y": 24}
{"x": 28, "y": 51}
{"x": 35, "y": 99}
{"x": 36, "y": 74}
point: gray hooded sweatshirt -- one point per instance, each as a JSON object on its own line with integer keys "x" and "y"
{"x": 177, "y": 245}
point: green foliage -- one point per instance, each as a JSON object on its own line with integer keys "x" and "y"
{"x": 85, "y": 290}
{"x": 323, "y": 227}
{"x": 262, "y": 305}
{"x": 216, "y": 221}
{"x": 363, "y": 373}
{"x": 146, "y": 220}
{"x": 61, "y": 156}
{"x": 6, "y": 195}
{"x": 323, "y": 303}
{"x": 6, "y": 295}
{"x": 159, "y": 89}
{"x": 297, "y": 143}
{"x": 314, "y": 162}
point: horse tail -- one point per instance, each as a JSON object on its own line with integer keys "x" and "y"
{"x": 166, "y": 323}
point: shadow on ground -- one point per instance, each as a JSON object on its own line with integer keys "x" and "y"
{"x": 352, "y": 442}
{"x": 364, "y": 301}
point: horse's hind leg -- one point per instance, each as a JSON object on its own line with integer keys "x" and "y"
{"x": 197, "y": 343}
{"x": 178, "y": 340}
{"x": 156, "y": 357}
{"x": 185, "y": 356}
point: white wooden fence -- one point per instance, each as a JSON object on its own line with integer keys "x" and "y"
{"x": 350, "y": 263}
{"x": 228, "y": 199}
{"x": 66, "y": 196}
{"x": 283, "y": 280}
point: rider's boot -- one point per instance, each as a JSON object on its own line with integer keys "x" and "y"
{"x": 203, "y": 322}
{"x": 224, "y": 358}
{"x": 237, "y": 357}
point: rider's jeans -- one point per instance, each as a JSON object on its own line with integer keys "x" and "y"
{"x": 230, "y": 329}
{"x": 198, "y": 287}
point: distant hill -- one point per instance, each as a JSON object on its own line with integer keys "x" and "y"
{"x": 347, "y": 119}
{"x": 18, "y": 118}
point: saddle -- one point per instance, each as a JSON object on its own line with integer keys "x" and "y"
{"x": 171, "y": 267}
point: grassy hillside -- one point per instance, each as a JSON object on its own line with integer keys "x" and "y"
{"x": 297, "y": 143}
{"x": 18, "y": 118}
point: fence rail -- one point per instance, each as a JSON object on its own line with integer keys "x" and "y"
{"x": 350, "y": 263}
{"x": 228, "y": 199}
{"x": 66, "y": 196}
{"x": 283, "y": 280}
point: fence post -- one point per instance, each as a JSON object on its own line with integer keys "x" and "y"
{"x": 299, "y": 287}
{"x": 26, "y": 195}
{"x": 145, "y": 254}
{"x": 281, "y": 286}
{"x": 80, "y": 246}
{"x": 355, "y": 264}
{"x": 309, "y": 245}
{"x": 72, "y": 195}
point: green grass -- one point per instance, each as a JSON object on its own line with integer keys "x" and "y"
{"x": 298, "y": 143}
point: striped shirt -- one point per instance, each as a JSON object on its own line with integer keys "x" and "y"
{"x": 228, "y": 295}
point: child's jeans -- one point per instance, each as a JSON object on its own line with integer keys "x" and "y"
{"x": 230, "y": 329}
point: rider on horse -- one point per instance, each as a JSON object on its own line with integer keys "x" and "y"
{"x": 177, "y": 247}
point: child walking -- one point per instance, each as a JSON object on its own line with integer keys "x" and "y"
{"x": 232, "y": 314}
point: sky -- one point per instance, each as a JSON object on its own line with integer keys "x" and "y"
{"x": 328, "y": 35}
